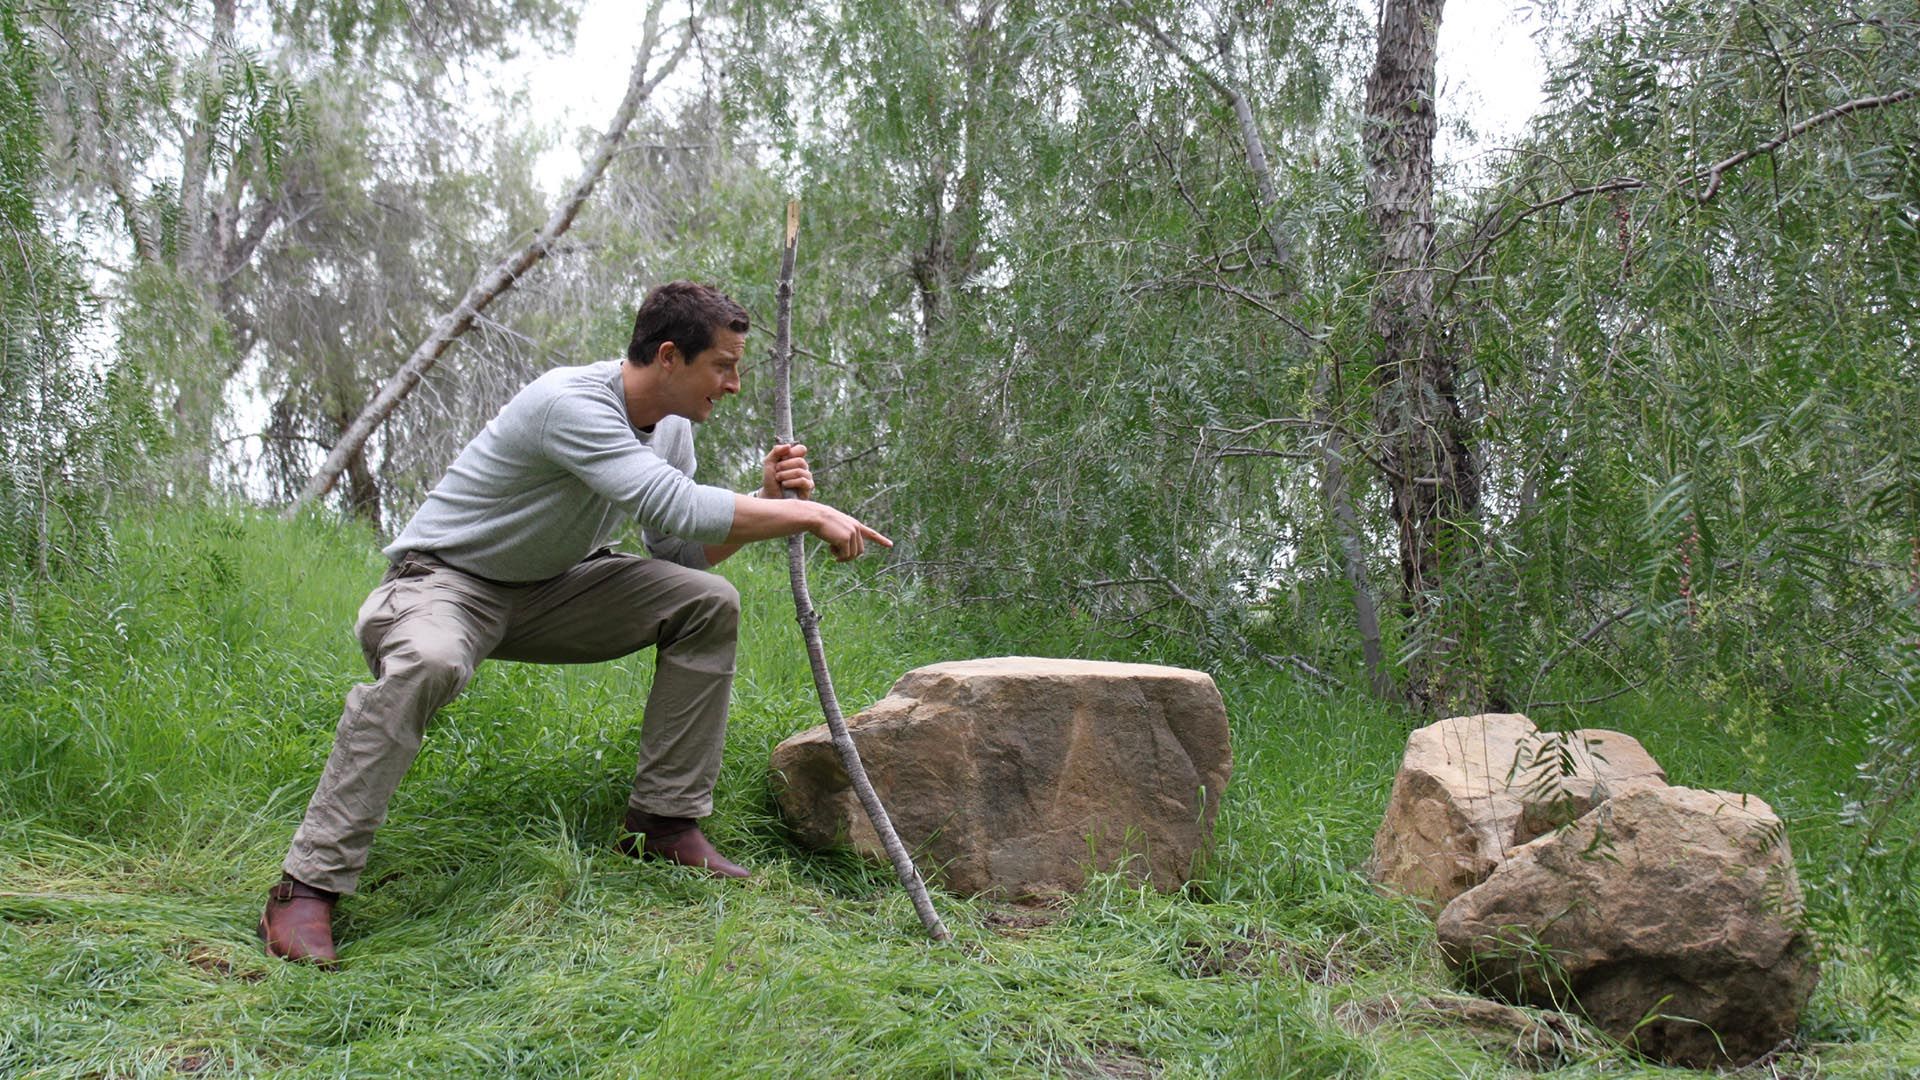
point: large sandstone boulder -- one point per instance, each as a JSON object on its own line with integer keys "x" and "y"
{"x": 1670, "y": 915}
{"x": 1473, "y": 788}
{"x": 1015, "y": 774}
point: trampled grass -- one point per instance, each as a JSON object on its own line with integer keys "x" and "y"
{"x": 162, "y": 724}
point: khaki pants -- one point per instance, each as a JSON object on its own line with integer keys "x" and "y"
{"x": 427, "y": 626}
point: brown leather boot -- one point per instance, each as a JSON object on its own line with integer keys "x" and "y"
{"x": 298, "y": 923}
{"x": 677, "y": 840}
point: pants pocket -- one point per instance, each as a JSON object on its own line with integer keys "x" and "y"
{"x": 383, "y": 607}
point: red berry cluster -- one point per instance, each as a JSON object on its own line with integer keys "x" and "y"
{"x": 1623, "y": 222}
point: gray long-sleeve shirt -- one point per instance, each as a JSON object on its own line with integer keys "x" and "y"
{"x": 548, "y": 481}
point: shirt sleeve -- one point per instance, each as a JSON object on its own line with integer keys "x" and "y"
{"x": 676, "y": 449}
{"x": 595, "y": 443}
{"x": 675, "y": 550}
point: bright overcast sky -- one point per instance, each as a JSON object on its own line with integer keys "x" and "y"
{"x": 1490, "y": 70}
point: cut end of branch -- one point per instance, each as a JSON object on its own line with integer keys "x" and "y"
{"x": 793, "y": 220}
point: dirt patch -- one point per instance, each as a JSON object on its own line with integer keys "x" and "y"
{"x": 1529, "y": 1038}
{"x": 1251, "y": 956}
{"x": 214, "y": 961}
{"x": 1019, "y": 921}
{"x": 1116, "y": 1063}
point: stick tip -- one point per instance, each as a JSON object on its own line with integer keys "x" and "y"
{"x": 793, "y": 220}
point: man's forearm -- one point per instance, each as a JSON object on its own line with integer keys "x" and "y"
{"x": 762, "y": 519}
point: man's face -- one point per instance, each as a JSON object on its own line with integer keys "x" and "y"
{"x": 696, "y": 384}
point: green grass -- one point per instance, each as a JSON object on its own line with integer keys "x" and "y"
{"x": 163, "y": 722}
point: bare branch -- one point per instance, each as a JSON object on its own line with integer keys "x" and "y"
{"x": 1262, "y": 452}
{"x": 1494, "y": 227}
{"x": 1583, "y": 640}
{"x": 1298, "y": 663}
{"x": 1716, "y": 171}
{"x": 456, "y": 322}
{"x": 1262, "y": 302}
{"x": 809, "y": 619}
{"x": 1595, "y": 700}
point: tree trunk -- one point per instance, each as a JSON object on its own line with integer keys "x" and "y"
{"x": 952, "y": 253}
{"x": 1425, "y": 452}
{"x": 1333, "y": 446}
{"x": 195, "y": 245}
{"x": 1338, "y": 493}
{"x": 363, "y": 488}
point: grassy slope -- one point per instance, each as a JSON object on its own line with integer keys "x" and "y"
{"x": 162, "y": 726}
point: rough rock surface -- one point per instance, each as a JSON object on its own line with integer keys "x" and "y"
{"x": 1014, "y": 774}
{"x": 1473, "y": 788}
{"x": 1669, "y": 914}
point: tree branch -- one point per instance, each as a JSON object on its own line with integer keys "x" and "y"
{"x": 1493, "y": 228}
{"x": 1580, "y": 642}
{"x": 456, "y": 322}
{"x": 1594, "y": 700}
{"x": 809, "y": 619}
{"x": 1251, "y": 142}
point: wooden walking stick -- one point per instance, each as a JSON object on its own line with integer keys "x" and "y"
{"x": 810, "y": 620}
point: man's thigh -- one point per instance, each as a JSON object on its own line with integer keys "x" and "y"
{"x": 610, "y": 606}
{"x": 424, "y": 606}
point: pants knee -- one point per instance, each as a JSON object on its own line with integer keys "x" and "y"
{"x": 725, "y": 601}
{"x": 441, "y": 669}
{"x": 713, "y": 613}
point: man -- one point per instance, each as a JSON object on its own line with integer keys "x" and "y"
{"x": 508, "y": 558}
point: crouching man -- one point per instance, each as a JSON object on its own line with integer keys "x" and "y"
{"x": 508, "y": 559}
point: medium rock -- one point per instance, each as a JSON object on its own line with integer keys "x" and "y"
{"x": 1013, "y": 774}
{"x": 1473, "y": 788}
{"x": 1669, "y": 915}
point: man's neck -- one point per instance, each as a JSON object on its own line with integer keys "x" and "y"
{"x": 636, "y": 386}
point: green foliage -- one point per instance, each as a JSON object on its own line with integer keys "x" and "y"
{"x": 300, "y": 188}
{"x": 248, "y": 109}
{"x": 1026, "y": 239}
{"x": 164, "y": 721}
{"x": 370, "y": 28}
{"x": 1699, "y": 392}
{"x": 1713, "y": 395}
{"x": 1878, "y": 907}
{"x": 68, "y": 434}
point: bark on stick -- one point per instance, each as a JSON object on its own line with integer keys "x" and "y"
{"x": 640, "y": 85}
{"x": 810, "y": 620}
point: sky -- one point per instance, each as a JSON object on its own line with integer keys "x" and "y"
{"x": 1490, "y": 69}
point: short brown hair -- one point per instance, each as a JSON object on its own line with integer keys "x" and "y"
{"x": 685, "y": 313}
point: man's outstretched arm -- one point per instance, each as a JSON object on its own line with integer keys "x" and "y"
{"x": 786, "y": 470}
{"x": 768, "y": 519}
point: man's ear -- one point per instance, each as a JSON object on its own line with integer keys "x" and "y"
{"x": 667, "y": 351}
